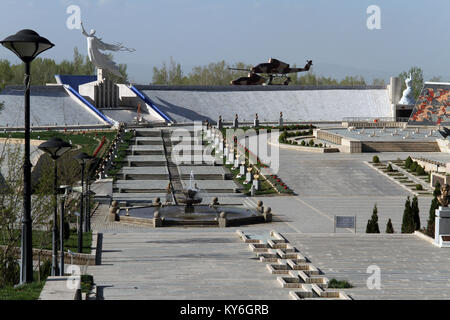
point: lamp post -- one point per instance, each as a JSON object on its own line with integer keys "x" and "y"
{"x": 55, "y": 148}
{"x": 61, "y": 228}
{"x": 82, "y": 159}
{"x": 27, "y": 45}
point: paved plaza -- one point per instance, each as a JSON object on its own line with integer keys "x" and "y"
{"x": 178, "y": 265}
{"x": 203, "y": 263}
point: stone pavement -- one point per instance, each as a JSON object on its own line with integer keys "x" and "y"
{"x": 182, "y": 265}
{"x": 411, "y": 268}
{"x": 204, "y": 263}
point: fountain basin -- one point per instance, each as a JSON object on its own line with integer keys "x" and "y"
{"x": 201, "y": 215}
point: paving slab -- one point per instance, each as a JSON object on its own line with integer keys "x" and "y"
{"x": 145, "y": 160}
{"x": 213, "y": 185}
{"x": 411, "y": 268}
{"x": 176, "y": 265}
{"x": 141, "y": 185}
{"x": 156, "y": 149}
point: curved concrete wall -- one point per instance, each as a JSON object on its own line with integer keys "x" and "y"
{"x": 48, "y": 105}
{"x": 296, "y": 103}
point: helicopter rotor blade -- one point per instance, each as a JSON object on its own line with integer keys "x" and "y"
{"x": 239, "y": 69}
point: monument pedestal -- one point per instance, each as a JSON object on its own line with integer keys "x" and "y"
{"x": 442, "y": 227}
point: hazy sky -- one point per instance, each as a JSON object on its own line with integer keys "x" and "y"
{"x": 333, "y": 33}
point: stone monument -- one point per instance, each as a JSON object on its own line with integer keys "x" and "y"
{"x": 98, "y": 59}
{"x": 104, "y": 93}
{"x": 408, "y": 98}
{"x": 442, "y": 219}
{"x": 256, "y": 121}
{"x": 280, "y": 121}
{"x": 236, "y": 121}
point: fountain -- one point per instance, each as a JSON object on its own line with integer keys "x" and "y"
{"x": 190, "y": 195}
{"x": 189, "y": 211}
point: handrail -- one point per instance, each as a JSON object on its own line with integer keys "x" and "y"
{"x": 151, "y": 104}
{"x": 88, "y": 104}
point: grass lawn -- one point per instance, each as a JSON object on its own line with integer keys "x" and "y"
{"x": 45, "y": 237}
{"x": 266, "y": 188}
{"x": 29, "y": 291}
{"x": 88, "y": 141}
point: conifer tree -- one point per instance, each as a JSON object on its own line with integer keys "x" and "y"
{"x": 431, "y": 217}
{"x": 408, "y": 220}
{"x": 415, "y": 213}
{"x": 389, "y": 227}
{"x": 372, "y": 223}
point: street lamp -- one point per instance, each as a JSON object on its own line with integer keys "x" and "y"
{"x": 64, "y": 196}
{"x": 27, "y": 45}
{"x": 55, "y": 148}
{"x": 82, "y": 159}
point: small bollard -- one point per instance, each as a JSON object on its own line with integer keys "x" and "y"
{"x": 252, "y": 190}
{"x": 268, "y": 214}
{"x": 157, "y": 220}
{"x": 223, "y": 222}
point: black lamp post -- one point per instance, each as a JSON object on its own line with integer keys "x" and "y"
{"x": 27, "y": 45}
{"x": 55, "y": 147}
{"x": 61, "y": 227}
{"x": 82, "y": 159}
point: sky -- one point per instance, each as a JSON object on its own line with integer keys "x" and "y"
{"x": 333, "y": 33}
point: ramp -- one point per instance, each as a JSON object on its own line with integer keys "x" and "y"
{"x": 305, "y": 103}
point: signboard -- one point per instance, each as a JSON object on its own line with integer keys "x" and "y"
{"x": 345, "y": 222}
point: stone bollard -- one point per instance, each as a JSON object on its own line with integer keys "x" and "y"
{"x": 214, "y": 202}
{"x": 256, "y": 182}
{"x": 256, "y": 121}
{"x": 268, "y": 214}
{"x": 259, "y": 206}
{"x": 157, "y": 220}
{"x": 114, "y": 212}
{"x": 219, "y": 123}
{"x": 223, "y": 222}
{"x": 157, "y": 202}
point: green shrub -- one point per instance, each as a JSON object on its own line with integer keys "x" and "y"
{"x": 375, "y": 159}
{"x": 320, "y": 145}
{"x": 303, "y": 143}
{"x": 311, "y": 142}
{"x": 9, "y": 272}
{"x": 419, "y": 187}
{"x": 389, "y": 168}
{"x": 437, "y": 189}
{"x": 45, "y": 269}
{"x": 413, "y": 166}
{"x": 420, "y": 170}
{"x": 339, "y": 284}
{"x": 408, "y": 162}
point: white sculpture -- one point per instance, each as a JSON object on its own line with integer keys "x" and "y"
{"x": 100, "y": 60}
{"x": 407, "y": 97}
